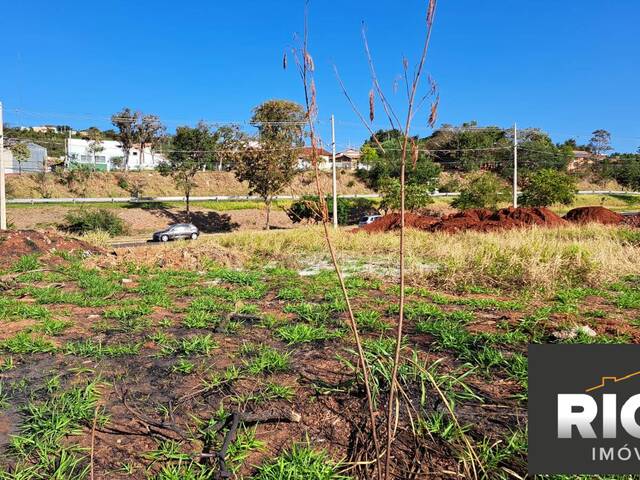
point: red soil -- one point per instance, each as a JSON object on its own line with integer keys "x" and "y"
{"x": 392, "y": 222}
{"x": 475, "y": 219}
{"x": 16, "y": 243}
{"x": 594, "y": 214}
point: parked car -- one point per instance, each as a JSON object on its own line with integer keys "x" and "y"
{"x": 367, "y": 219}
{"x": 179, "y": 230}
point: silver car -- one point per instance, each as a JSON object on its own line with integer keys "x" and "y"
{"x": 367, "y": 219}
{"x": 179, "y": 230}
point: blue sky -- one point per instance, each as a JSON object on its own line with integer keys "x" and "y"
{"x": 567, "y": 66}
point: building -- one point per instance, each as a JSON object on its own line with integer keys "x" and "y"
{"x": 37, "y": 161}
{"x": 110, "y": 156}
{"x": 349, "y": 159}
{"x": 304, "y": 158}
{"x": 346, "y": 160}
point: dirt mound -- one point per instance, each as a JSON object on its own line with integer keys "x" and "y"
{"x": 477, "y": 219}
{"x": 189, "y": 256}
{"x": 16, "y": 243}
{"x": 594, "y": 214}
{"x": 392, "y": 222}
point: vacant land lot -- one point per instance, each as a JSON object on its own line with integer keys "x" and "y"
{"x": 138, "y": 365}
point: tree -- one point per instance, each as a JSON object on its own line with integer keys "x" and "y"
{"x": 270, "y": 166}
{"x": 150, "y": 131}
{"x": 127, "y": 124}
{"x": 600, "y": 142}
{"x": 226, "y": 140}
{"x": 417, "y": 196}
{"x": 192, "y": 149}
{"x": 548, "y": 186}
{"x": 20, "y": 153}
{"x": 627, "y": 169}
{"x": 484, "y": 190}
{"x": 95, "y": 145}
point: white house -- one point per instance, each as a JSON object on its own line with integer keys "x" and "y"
{"x": 37, "y": 161}
{"x": 109, "y": 155}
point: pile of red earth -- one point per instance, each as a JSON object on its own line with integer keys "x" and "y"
{"x": 16, "y": 243}
{"x": 477, "y": 219}
{"x": 594, "y": 215}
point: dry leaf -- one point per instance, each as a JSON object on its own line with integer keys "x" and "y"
{"x": 431, "y": 10}
{"x": 309, "y": 61}
{"x": 433, "y": 116}
{"x": 371, "y": 105}
{"x": 284, "y": 61}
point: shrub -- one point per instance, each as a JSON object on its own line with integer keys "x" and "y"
{"x": 91, "y": 220}
{"x": 484, "y": 190}
{"x": 349, "y": 209}
{"x": 416, "y": 195}
{"x": 548, "y": 186}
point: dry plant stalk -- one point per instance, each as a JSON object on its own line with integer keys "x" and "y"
{"x": 305, "y": 65}
{"x": 412, "y": 83}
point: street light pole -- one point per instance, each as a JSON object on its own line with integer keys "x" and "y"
{"x": 3, "y": 192}
{"x": 335, "y": 182}
{"x": 515, "y": 166}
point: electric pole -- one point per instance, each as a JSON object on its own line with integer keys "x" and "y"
{"x": 515, "y": 166}
{"x": 3, "y": 193}
{"x": 335, "y": 182}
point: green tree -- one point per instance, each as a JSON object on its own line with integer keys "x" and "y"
{"x": 126, "y": 122}
{"x": 20, "y": 152}
{"x": 226, "y": 140}
{"x": 191, "y": 150}
{"x": 600, "y": 144}
{"x": 626, "y": 169}
{"x": 416, "y": 195}
{"x": 484, "y": 190}
{"x": 547, "y": 187}
{"x": 95, "y": 145}
{"x": 269, "y": 167}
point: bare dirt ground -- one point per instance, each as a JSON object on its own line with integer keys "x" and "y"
{"x": 142, "y": 221}
{"x": 149, "y": 356}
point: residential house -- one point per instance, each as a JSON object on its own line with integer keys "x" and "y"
{"x": 304, "y": 159}
{"x": 348, "y": 159}
{"x": 37, "y": 161}
{"x": 111, "y": 156}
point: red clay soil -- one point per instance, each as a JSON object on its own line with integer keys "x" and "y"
{"x": 477, "y": 219}
{"x": 16, "y": 243}
{"x": 392, "y": 222}
{"x": 595, "y": 215}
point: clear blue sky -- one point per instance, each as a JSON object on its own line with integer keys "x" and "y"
{"x": 567, "y": 66}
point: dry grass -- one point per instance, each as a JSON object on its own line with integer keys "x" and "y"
{"x": 536, "y": 258}
{"x": 208, "y": 183}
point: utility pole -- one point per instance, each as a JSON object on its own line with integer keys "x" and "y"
{"x": 3, "y": 193}
{"x": 335, "y": 182}
{"x": 515, "y": 166}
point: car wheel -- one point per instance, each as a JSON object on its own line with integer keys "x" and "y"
{"x": 164, "y": 238}
{"x": 194, "y": 236}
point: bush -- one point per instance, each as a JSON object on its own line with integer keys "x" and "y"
{"x": 416, "y": 196}
{"x": 349, "y": 209}
{"x": 484, "y": 190}
{"x": 548, "y": 186}
{"x": 91, "y": 220}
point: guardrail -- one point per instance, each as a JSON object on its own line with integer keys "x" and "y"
{"x": 227, "y": 198}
